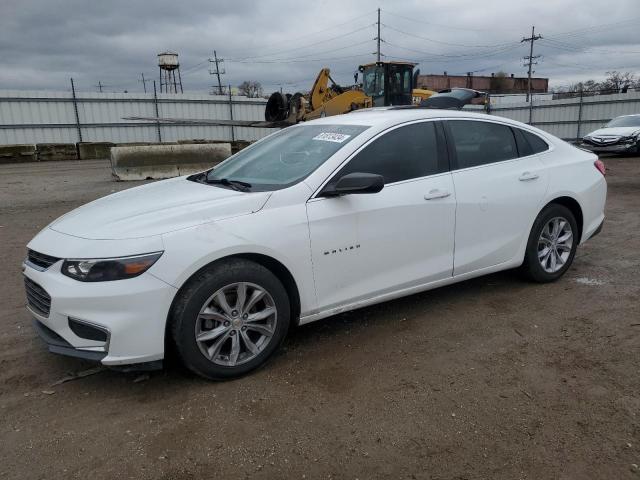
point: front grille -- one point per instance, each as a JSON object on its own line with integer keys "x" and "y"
{"x": 40, "y": 259}
{"x": 598, "y": 141}
{"x": 37, "y": 297}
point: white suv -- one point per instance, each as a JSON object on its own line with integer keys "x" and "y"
{"x": 319, "y": 218}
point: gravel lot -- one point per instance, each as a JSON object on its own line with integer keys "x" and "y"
{"x": 492, "y": 378}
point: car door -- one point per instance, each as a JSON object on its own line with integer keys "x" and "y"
{"x": 365, "y": 245}
{"x": 498, "y": 192}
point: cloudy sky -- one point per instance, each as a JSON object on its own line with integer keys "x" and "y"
{"x": 285, "y": 42}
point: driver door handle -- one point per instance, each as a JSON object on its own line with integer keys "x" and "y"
{"x": 528, "y": 176}
{"x": 435, "y": 194}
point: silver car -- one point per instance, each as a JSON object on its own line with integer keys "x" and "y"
{"x": 620, "y": 135}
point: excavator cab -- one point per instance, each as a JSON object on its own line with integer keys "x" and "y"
{"x": 388, "y": 83}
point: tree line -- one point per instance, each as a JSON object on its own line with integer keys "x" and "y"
{"x": 615, "y": 82}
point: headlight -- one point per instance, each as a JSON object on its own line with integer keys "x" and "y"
{"x": 108, "y": 269}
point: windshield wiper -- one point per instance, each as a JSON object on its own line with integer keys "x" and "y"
{"x": 234, "y": 184}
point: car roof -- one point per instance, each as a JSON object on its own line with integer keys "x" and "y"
{"x": 389, "y": 116}
{"x": 381, "y": 118}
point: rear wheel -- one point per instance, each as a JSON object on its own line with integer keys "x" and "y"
{"x": 230, "y": 319}
{"x": 277, "y": 108}
{"x": 552, "y": 244}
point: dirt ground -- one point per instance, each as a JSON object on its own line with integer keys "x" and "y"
{"x": 493, "y": 378}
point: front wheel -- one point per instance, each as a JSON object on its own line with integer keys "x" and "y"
{"x": 230, "y": 319}
{"x": 552, "y": 244}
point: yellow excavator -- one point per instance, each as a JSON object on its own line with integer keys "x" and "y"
{"x": 383, "y": 84}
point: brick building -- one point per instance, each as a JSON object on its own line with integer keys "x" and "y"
{"x": 491, "y": 84}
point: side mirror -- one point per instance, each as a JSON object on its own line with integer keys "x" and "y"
{"x": 355, "y": 183}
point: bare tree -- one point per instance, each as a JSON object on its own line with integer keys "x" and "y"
{"x": 586, "y": 86}
{"x": 618, "y": 81}
{"x": 250, "y": 89}
{"x": 498, "y": 82}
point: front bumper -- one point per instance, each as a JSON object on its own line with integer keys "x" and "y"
{"x": 132, "y": 314}
{"x": 612, "y": 148}
{"x": 57, "y": 344}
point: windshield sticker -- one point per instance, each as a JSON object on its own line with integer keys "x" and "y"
{"x": 331, "y": 137}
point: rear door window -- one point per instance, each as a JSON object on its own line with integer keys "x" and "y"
{"x": 536, "y": 143}
{"x": 529, "y": 143}
{"x": 479, "y": 143}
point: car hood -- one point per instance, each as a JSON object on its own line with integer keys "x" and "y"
{"x": 615, "y": 131}
{"x": 157, "y": 208}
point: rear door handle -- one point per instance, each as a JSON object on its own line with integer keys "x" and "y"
{"x": 435, "y": 194}
{"x": 528, "y": 176}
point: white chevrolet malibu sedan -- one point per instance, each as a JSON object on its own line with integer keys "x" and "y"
{"x": 319, "y": 218}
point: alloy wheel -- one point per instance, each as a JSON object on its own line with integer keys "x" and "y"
{"x": 236, "y": 323}
{"x": 555, "y": 244}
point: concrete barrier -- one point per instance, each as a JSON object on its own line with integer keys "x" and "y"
{"x": 57, "y": 151}
{"x": 18, "y": 153}
{"x": 239, "y": 145}
{"x": 236, "y": 145}
{"x": 165, "y": 161}
{"x": 94, "y": 150}
{"x": 90, "y": 150}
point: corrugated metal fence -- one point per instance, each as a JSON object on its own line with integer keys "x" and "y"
{"x": 50, "y": 117}
{"x": 571, "y": 118}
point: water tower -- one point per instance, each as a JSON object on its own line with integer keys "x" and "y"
{"x": 169, "y": 65}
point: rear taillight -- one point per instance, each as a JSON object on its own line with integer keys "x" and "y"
{"x": 599, "y": 164}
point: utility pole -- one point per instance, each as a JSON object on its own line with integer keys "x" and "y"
{"x": 378, "y": 38}
{"x": 144, "y": 82}
{"x": 530, "y": 59}
{"x": 75, "y": 109}
{"x": 99, "y": 86}
{"x": 233, "y": 135}
{"x": 218, "y": 71}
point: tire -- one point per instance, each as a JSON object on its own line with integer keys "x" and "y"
{"x": 547, "y": 267}
{"x": 209, "y": 307}
{"x": 277, "y": 108}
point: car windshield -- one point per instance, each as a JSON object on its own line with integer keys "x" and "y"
{"x": 284, "y": 158}
{"x": 627, "y": 121}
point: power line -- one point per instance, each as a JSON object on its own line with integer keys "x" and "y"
{"x": 452, "y": 27}
{"x": 446, "y": 43}
{"x": 304, "y": 60}
{"x": 193, "y": 68}
{"x": 576, "y": 48}
{"x": 298, "y": 58}
{"x": 585, "y": 66}
{"x": 530, "y": 58}
{"x": 596, "y": 28}
{"x": 435, "y": 56}
{"x": 294, "y": 39}
{"x": 305, "y": 46}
